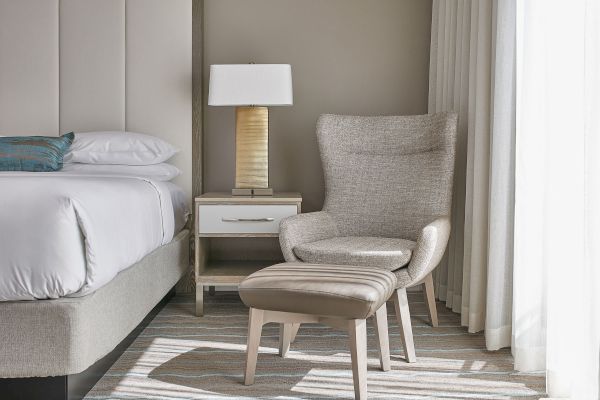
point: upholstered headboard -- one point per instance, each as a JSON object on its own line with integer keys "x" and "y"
{"x": 81, "y": 65}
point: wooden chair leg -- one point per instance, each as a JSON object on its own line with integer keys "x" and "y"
{"x": 255, "y": 323}
{"x": 403, "y": 315}
{"x": 429, "y": 293}
{"x": 383, "y": 342}
{"x": 285, "y": 338}
{"x": 357, "y": 331}
{"x": 295, "y": 328}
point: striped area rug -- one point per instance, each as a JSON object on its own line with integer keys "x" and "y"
{"x": 180, "y": 356}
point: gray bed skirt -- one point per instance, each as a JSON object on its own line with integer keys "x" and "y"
{"x": 65, "y": 336}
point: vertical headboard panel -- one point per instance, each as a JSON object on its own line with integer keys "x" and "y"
{"x": 159, "y": 72}
{"x": 81, "y": 65}
{"x": 92, "y": 65}
{"x": 28, "y": 67}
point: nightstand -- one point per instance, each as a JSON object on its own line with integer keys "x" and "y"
{"x": 221, "y": 215}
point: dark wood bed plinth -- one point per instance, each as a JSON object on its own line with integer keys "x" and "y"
{"x": 73, "y": 387}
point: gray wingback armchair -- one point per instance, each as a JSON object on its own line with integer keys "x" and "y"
{"x": 388, "y": 197}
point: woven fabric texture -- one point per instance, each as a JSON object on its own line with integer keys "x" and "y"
{"x": 385, "y": 253}
{"x": 65, "y": 336}
{"x": 386, "y": 177}
{"x": 304, "y": 228}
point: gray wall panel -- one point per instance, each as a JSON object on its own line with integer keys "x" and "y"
{"x": 92, "y": 65}
{"x": 159, "y": 75}
{"x": 28, "y": 67}
{"x": 83, "y": 65}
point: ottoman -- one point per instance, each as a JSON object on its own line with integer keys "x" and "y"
{"x": 341, "y": 296}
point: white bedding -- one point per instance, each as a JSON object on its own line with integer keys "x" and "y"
{"x": 65, "y": 234}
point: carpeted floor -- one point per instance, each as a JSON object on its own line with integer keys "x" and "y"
{"x": 180, "y": 356}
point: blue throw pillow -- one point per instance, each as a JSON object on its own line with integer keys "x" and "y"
{"x": 34, "y": 153}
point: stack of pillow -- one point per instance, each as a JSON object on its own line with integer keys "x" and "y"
{"x": 120, "y": 153}
{"x": 90, "y": 153}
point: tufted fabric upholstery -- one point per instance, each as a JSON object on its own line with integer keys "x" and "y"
{"x": 385, "y": 176}
{"x": 386, "y": 253}
{"x": 325, "y": 290}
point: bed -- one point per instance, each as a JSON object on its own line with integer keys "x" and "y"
{"x": 59, "y": 338}
{"x": 68, "y": 234}
{"x": 71, "y": 294}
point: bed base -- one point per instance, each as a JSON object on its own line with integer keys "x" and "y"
{"x": 73, "y": 387}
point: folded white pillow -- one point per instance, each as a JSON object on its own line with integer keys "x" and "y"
{"x": 157, "y": 172}
{"x": 114, "y": 147}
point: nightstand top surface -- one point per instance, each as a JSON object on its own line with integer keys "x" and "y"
{"x": 278, "y": 197}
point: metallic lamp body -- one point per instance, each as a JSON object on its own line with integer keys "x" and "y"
{"x": 252, "y": 152}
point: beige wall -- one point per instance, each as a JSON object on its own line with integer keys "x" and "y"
{"x": 348, "y": 56}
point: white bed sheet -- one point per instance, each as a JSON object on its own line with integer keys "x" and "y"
{"x": 67, "y": 234}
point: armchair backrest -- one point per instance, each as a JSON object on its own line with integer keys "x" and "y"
{"x": 387, "y": 176}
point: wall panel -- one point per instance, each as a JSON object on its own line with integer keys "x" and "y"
{"x": 159, "y": 75}
{"x": 28, "y": 67}
{"x": 92, "y": 65}
{"x": 82, "y": 65}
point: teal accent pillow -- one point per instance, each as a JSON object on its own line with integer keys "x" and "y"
{"x": 34, "y": 153}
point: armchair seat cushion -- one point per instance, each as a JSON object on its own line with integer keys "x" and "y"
{"x": 385, "y": 253}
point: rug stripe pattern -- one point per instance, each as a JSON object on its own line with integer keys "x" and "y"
{"x": 180, "y": 356}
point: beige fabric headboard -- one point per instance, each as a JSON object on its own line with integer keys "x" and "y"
{"x": 82, "y": 65}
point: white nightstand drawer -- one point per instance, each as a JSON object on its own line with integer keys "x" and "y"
{"x": 233, "y": 218}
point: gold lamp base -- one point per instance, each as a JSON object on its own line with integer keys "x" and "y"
{"x": 252, "y": 152}
{"x": 252, "y": 192}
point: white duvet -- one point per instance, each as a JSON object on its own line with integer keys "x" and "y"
{"x": 68, "y": 235}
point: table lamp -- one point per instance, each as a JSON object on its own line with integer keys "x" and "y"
{"x": 251, "y": 88}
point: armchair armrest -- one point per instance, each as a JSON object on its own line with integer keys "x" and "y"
{"x": 304, "y": 228}
{"x": 431, "y": 245}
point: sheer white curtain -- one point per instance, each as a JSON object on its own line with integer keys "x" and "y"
{"x": 557, "y": 199}
{"x": 472, "y": 72}
{"x": 523, "y": 262}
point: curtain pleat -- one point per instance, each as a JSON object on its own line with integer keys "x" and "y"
{"x": 478, "y": 177}
{"x": 498, "y": 324}
{"x": 463, "y": 78}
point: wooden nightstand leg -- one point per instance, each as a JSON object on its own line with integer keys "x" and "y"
{"x": 199, "y": 299}
{"x": 211, "y": 290}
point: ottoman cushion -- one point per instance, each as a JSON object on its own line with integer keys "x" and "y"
{"x": 319, "y": 289}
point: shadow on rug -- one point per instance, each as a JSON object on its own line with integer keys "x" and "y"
{"x": 180, "y": 356}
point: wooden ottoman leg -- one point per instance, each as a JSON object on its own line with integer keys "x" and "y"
{"x": 285, "y": 338}
{"x": 255, "y": 323}
{"x": 383, "y": 339}
{"x": 295, "y": 328}
{"x": 357, "y": 331}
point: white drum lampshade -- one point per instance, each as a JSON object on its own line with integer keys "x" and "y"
{"x": 251, "y": 88}
{"x": 250, "y": 84}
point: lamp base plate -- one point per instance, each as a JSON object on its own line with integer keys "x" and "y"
{"x": 252, "y": 192}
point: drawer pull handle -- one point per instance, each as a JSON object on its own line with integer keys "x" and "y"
{"x": 247, "y": 219}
